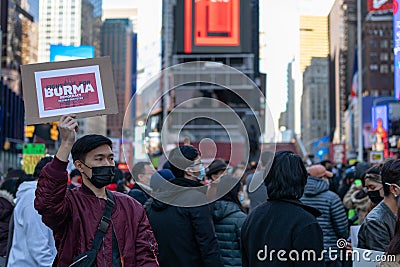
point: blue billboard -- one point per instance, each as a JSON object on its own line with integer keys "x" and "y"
{"x": 380, "y": 113}
{"x": 64, "y": 53}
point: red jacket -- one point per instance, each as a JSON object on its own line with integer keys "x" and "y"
{"x": 74, "y": 215}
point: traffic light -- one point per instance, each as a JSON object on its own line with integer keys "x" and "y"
{"x": 29, "y": 130}
{"x": 6, "y": 145}
{"x": 54, "y": 131}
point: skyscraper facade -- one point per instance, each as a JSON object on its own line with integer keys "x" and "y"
{"x": 73, "y": 22}
{"x": 314, "y": 108}
{"x": 117, "y": 42}
{"x": 18, "y": 21}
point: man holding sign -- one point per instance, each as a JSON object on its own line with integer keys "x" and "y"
{"x": 79, "y": 216}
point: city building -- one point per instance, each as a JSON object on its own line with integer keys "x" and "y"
{"x": 313, "y": 43}
{"x": 75, "y": 22}
{"x": 313, "y": 39}
{"x": 232, "y": 40}
{"x": 290, "y": 111}
{"x": 342, "y": 39}
{"x": 378, "y": 57}
{"x": 314, "y": 108}
{"x": 119, "y": 42}
{"x": 72, "y": 23}
{"x": 19, "y": 39}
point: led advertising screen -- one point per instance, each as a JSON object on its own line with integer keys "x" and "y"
{"x": 64, "y": 53}
{"x": 380, "y": 113}
{"x": 213, "y": 26}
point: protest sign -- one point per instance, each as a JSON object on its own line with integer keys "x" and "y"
{"x": 82, "y": 87}
{"x": 31, "y": 155}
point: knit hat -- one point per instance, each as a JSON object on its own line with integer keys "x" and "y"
{"x": 216, "y": 166}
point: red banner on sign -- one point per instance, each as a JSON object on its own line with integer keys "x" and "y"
{"x": 69, "y": 91}
{"x": 379, "y": 5}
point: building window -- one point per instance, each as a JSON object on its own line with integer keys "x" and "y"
{"x": 384, "y": 56}
{"x": 384, "y": 68}
{"x": 373, "y": 43}
{"x": 384, "y": 43}
{"x": 374, "y": 56}
{"x": 373, "y": 67}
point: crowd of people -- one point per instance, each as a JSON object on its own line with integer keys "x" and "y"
{"x": 98, "y": 215}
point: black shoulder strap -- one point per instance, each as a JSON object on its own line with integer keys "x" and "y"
{"x": 104, "y": 222}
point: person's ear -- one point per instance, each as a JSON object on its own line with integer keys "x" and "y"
{"x": 394, "y": 190}
{"x": 79, "y": 165}
{"x": 187, "y": 171}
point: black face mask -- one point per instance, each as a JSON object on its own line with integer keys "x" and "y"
{"x": 375, "y": 196}
{"x": 102, "y": 175}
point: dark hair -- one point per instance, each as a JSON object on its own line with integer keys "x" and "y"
{"x": 287, "y": 177}
{"x": 10, "y": 185}
{"x": 394, "y": 245}
{"x": 74, "y": 173}
{"x": 118, "y": 175}
{"x": 232, "y": 195}
{"x": 39, "y": 166}
{"x": 15, "y": 173}
{"x": 360, "y": 169}
{"x": 138, "y": 168}
{"x": 390, "y": 173}
{"x": 86, "y": 144}
{"x": 183, "y": 159}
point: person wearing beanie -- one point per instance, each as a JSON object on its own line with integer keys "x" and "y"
{"x": 184, "y": 230}
{"x": 216, "y": 169}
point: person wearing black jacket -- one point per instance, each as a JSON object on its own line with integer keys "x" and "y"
{"x": 141, "y": 172}
{"x": 283, "y": 231}
{"x": 185, "y": 233}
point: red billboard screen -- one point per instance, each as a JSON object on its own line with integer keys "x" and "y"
{"x": 213, "y": 26}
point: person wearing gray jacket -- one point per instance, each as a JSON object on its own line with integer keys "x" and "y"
{"x": 333, "y": 220}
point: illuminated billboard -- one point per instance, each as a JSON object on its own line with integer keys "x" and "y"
{"x": 380, "y": 113}
{"x": 64, "y": 53}
{"x": 213, "y": 26}
{"x": 379, "y": 5}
